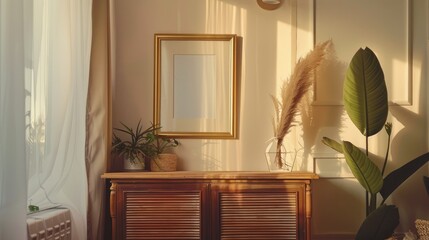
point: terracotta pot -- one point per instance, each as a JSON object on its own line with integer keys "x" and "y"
{"x": 164, "y": 162}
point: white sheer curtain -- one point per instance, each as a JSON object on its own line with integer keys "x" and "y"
{"x": 12, "y": 136}
{"x": 57, "y": 107}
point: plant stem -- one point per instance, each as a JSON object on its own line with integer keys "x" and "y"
{"x": 388, "y": 127}
{"x": 387, "y": 154}
{"x": 367, "y": 194}
{"x": 278, "y": 158}
{"x": 373, "y": 203}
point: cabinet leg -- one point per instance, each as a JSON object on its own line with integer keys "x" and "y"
{"x": 308, "y": 211}
{"x": 113, "y": 209}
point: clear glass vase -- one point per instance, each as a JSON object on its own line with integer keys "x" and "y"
{"x": 279, "y": 159}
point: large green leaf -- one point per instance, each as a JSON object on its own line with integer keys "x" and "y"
{"x": 365, "y": 171}
{"x": 397, "y": 177}
{"x": 380, "y": 224}
{"x": 333, "y": 144}
{"x": 365, "y": 92}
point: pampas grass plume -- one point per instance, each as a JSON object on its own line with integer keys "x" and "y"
{"x": 293, "y": 90}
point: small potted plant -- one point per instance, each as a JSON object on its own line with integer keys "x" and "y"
{"x": 135, "y": 148}
{"x": 162, "y": 159}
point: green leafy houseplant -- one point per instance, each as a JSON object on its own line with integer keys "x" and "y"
{"x": 136, "y": 146}
{"x": 160, "y": 144}
{"x": 161, "y": 157}
{"x": 365, "y": 101}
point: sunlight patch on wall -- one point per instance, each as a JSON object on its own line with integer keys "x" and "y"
{"x": 283, "y": 60}
{"x": 389, "y": 37}
{"x": 222, "y": 17}
{"x": 400, "y": 91}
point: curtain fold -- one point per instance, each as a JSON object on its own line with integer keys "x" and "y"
{"x": 98, "y": 124}
{"x": 62, "y": 33}
{"x": 12, "y": 121}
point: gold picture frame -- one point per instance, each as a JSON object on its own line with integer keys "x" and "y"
{"x": 195, "y": 85}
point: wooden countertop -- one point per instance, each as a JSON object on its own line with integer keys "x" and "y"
{"x": 210, "y": 175}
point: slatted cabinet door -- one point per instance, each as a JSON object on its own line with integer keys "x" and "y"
{"x": 258, "y": 211}
{"x": 161, "y": 211}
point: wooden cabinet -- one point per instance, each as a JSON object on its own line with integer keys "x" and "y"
{"x": 210, "y": 205}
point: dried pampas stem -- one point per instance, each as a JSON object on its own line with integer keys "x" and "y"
{"x": 292, "y": 92}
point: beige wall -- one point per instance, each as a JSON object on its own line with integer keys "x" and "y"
{"x": 266, "y": 61}
{"x": 272, "y": 41}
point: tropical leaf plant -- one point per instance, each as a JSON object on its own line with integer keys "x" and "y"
{"x": 380, "y": 224}
{"x": 365, "y": 93}
{"x": 397, "y": 177}
{"x": 365, "y": 101}
{"x": 367, "y": 173}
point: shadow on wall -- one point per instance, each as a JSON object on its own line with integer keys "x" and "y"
{"x": 317, "y": 118}
{"x": 410, "y": 196}
{"x": 336, "y": 209}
